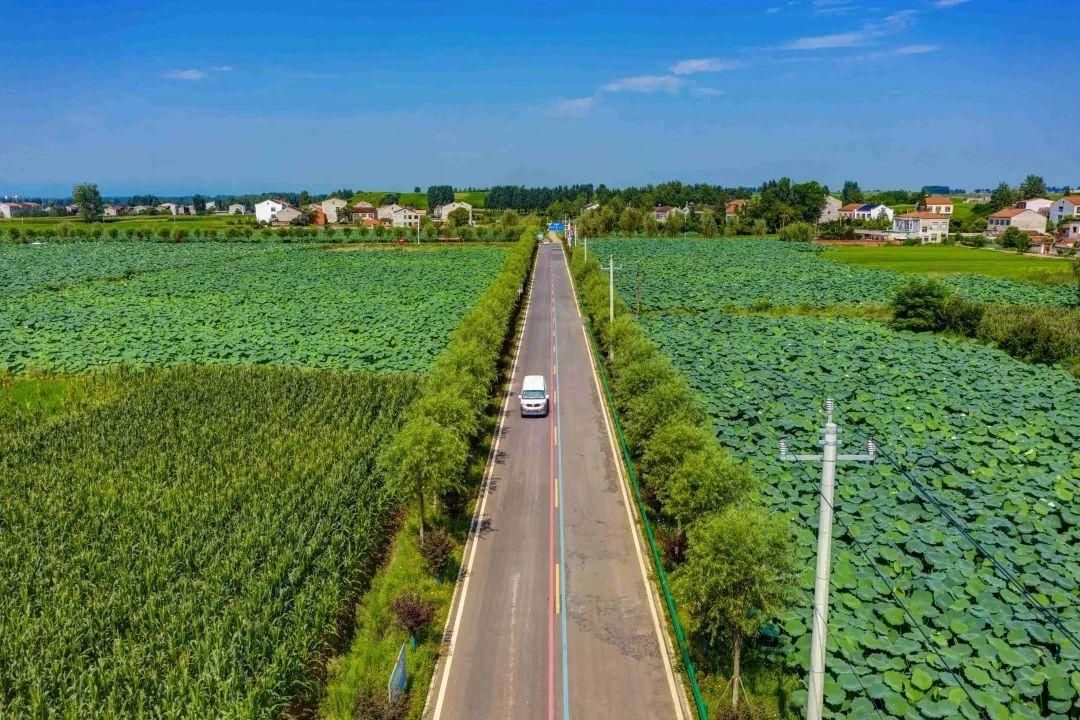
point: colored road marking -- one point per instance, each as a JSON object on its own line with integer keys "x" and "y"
{"x": 556, "y": 588}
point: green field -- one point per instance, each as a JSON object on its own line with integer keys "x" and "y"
{"x": 183, "y": 543}
{"x": 938, "y": 261}
{"x": 77, "y": 305}
{"x": 993, "y": 439}
{"x": 771, "y": 272}
{"x": 130, "y": 222}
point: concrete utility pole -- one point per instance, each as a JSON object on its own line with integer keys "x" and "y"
{"x": 828, "y": 460}
{"x": 585, "y": 240}
{"x": 611, "y": 287}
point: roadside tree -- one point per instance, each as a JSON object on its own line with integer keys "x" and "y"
{"x": 1014, "y": 239}
{"x": 731, "y": 599}
{"x": 851, "y": 193}
{"x": 88, "y": 198}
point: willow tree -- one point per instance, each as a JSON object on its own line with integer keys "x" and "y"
{"x": 738, "y": 574}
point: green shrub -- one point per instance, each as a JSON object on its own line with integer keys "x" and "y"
{"x": 962, "y": 316}
{"x": 1014, "y": 239}
{"x": 797, "y": 232}
{"x": 1034, "y": 334}
{"x": 373, "y": 705}
{"x": 919, "y": 305}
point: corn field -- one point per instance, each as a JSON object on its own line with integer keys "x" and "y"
{"x": 187, "y": 549}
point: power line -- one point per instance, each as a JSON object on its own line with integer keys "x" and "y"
{"x": 1046, "y": 612}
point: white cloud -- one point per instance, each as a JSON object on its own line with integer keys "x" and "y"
{"x": 824, "y": 42}
{"x": 196, "y": 74}
{"x": 645, "y": 84}
{"x": 707, "y": 91}
{"x": 572, "y": 107}
{"x": 833, "y": 7}
{"x": 867, "y": 34}
{"x": 185, "y": 74}
{"x": 915, "y": 49}
{"x": 949, "y": 3}
{"x": 773, "y": 10}
{"x": 700, "y": 65}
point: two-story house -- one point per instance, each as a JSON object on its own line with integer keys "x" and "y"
{"x": 1066, "y": 207}
{"x": 1020, "y": 218}
{"x": 938, "y": 204}
{"x": 928, "y": 227}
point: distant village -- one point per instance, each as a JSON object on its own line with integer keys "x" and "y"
{"x": 277, "y": 212}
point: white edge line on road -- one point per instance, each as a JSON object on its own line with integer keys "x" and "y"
{"x": 677, "y": 694}
{"x": 457, "y": 604}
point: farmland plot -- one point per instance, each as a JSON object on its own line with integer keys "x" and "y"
{"x": 743, "y": 272}
{"x": 186, "y": 551}
{"x": 143, "y": 304}
{"x": 993, "y": 439}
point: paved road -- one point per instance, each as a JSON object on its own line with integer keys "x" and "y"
{"x": 554, "y": 617}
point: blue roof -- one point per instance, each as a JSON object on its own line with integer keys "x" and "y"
{"x": 867, "y": 206}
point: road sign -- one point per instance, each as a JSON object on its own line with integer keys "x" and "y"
{"x": 556, "y": 227}
{"x": 398, "y": 678}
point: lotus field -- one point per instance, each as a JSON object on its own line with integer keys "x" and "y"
{"x": 743, "y": 272}
{"x": 77, "y": 305}
{"x": 990, "y": 438}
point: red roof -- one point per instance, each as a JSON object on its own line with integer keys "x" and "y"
{"x": 851, "y": 207}
{"x": 661, "y": 208}
{"x": 735, "y": 206}
{"x": 1074, "y": 199}
{"x": 1010, "y": 212}
{"x": 938, "y": 200}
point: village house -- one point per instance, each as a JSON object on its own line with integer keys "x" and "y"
{"x": 928, "y": 227}
{"x": 442, "y": 212}
{"x": 364, "y": 211}
{"x": 406, "y": 217}
{"x": 142, "y": 209}
{"x": 177, "y": 208}
{"x": 938, "y": 204}
{"x": 872, "y": 211}
{"x": 591, "y": 207}
{"x": 977, "y": 198}
{"x": 1066, "y": 207}
{"x": 661, "y": 212}
{"x": 1070, "y": 231}
{"x": 112, "y": 210}
{"x": 733, "y": 208}
{"x": 331, "y": 207}
{"x": 267, "y": 211}
{"x": 830, "y": 211}
{"x": 211, "y": 205}
{"x": 10, "y": 209}
{"x": 286, "y": 215}
{"x": 847, "y": 212}
{"x": 1041, "y": 205}
{"x": 237, "y": 209}
{"x": 316, "y": 214}
{"x": 385, "y": 213}
{"x": 1021, "y": 218}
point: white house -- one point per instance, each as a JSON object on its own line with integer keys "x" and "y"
{"x": 733, "y": 208}
{"x": 211, "y": 205}
{"x": 112, "y": 210}
{"x": 442, "y": 212}
{"x": 1021, "y": 218}
{"x": 830, "y": 211}
{"x": 237, "y": 209}
{"x": 938, "y": 204}
{"x": 405, "y": 217}
{"x": 286, "y": 215}
{"x": 267, "y": 210}
{"x": 331, "y": 206}
{"x": 1066, "y": 207}
{"x": 1070, "y": 231}
{"x": 177, "y": 209}
{"x": 872, "y": 211}
{"x": 386, "y": 212}
{"x": 10, "y": 209}
{"x": 927, "y": 226}
{"x": 847, "y": 212}
{"x": 1037, "y": 204}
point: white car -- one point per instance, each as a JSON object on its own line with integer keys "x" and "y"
{"x": 534, "y": 398}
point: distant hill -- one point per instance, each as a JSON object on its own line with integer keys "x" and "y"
{"x": 476, "y": 198}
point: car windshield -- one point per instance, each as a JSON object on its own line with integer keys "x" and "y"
{"x": 533, "y": 394}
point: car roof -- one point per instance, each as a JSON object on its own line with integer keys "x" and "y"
{"x": 532, "y": 382}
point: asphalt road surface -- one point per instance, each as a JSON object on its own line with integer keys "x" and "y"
{"x": 554, "y": 616}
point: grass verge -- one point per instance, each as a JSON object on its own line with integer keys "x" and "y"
{"x": 939, "y": 260}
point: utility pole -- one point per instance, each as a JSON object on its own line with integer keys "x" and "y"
{"x": 639, "y": 288}
{"x": 828, "y": 460}
{"x": 586, "y": 241}
{"x": 611, "y": 287}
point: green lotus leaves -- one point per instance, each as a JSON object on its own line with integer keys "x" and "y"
{"x": 994, "y": 440}
{"x": 70, "y": 306}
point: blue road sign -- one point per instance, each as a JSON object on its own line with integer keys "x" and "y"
{"x": 556, "y": 227}
{"x": 398, "y": 678}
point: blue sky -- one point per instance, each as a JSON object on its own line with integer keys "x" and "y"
{"x": 251, "y": 97}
